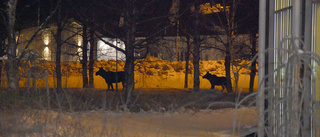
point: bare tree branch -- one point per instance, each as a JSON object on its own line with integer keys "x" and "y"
{"x": 110, "y": 44}
{"x": 38, "y": 30}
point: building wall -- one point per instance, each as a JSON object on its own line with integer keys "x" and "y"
{"x": 316, "y": 48}
{"x": 106, "y": 52}
{"x": 211, "y": 49}
{"x": 44, "y": 43}
{"x": 166, "y": 48}
{"x": 316, "y": 45}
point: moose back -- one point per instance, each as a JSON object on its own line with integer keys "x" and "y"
{"x": 112, "y": 77}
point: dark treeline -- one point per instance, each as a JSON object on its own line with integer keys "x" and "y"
{"x": 128, "y": 20}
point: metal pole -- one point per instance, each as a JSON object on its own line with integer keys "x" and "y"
{"x": 307, "y": 83}
{"x": 261, "y": 64}
{"x": 177, "y": 42}
{"x": 272, "y": 113}
{"x": 116, "y": 65}
{"x": 296, "y": 35}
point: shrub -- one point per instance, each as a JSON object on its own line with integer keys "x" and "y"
{"x": 157, "y": 66}
{"x": 220, "y": 61}
{"x": 165, "y": 67}
{"x": 177, "y": 66}
{"x": 149, "y": 72}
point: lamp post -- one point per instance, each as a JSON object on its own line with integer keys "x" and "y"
{"x": 177, "y": 42}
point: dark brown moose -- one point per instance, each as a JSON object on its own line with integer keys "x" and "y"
{"x": 215, "y": 80}
{"x": 112, "y": 77}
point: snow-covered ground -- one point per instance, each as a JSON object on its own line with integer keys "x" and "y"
{"x": 149, "y": 73}
{"x": 183, "y": 123}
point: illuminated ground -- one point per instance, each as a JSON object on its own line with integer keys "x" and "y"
{"x": 155, "y": 112}
{"x": 160, "y": 105}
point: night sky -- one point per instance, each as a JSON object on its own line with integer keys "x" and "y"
{"x": 108, "y": 11}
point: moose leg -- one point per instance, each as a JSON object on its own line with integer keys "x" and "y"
{"x": 212, "y": 85}
{"x": 223, "y": 87}
{"x": 108, "y": 86}
{"x": 111, "y": 87}
{"x": 123, "y": 85}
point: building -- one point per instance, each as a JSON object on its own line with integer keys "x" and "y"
{"x": 44, "y": 43}
{"x": 165, "y": 47}
{"x": 173, "y": 49}
{"x": 289, "y": 90}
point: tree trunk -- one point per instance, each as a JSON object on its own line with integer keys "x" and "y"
{"x": 58, "y": 51}
{"x": 1, "y": 63}
{"x": 252, "y": 75}
{"x": 84, "y": 60}
{"x": 227, "y": 66}
{"x": 129, "y": 67}
{"x": 2, "y": 47}
{"x": 129, "y": 71}
{"x": 229, "y": 45}
{"x": 91, "y": 58}
{"x": 253, "y": 68}
{"x": 187, "y": 62}
{"x": 130, "y": 25}
{"x": 196, "y": 50}
{"x": 12, "y": 66}
{"x": 2, "y": 53}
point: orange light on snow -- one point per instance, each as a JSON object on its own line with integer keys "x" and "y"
{"x": 208, "y": 9}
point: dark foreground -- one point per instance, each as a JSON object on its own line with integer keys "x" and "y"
{"x": 160, "y": 100}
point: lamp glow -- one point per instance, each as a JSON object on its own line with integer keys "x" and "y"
{"x": 46, "y": 53}
{"x": 46, "y": 41}
{"x": 79, "y": 41}
{"x": 46, "y": 36}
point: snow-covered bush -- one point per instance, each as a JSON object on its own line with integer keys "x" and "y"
{"x": 165, "y": 67}
{"x": 148, "y": 66}
{"x": 178, "y": 66}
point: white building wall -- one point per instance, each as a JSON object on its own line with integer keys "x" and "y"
{"x": 106, "y": 52}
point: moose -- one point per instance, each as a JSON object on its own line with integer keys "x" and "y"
{"x": 215, "y": 80}
{"x": 112, "y": 77}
